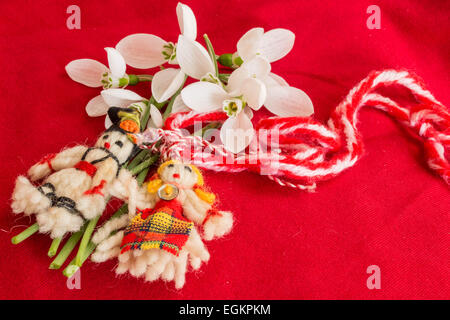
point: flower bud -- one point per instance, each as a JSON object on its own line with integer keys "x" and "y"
{"x": 226, "y": 60}
{"x": 230, "y": 60}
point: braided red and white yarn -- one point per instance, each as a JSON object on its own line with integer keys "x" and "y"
{"x": 308, "y": 151}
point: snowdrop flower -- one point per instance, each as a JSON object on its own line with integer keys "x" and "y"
{"x": 148, "y": 51}
{"x": 272, "y": 45}
{"x": 92, "y": 73}
{"x": 249, "y": 87}
{"x": 280, "y": 98}
{"x": 237, "y": 131}
{"x": 144, "y": 51}
{"x": 194, "y": 61}
{"x": 257, "y": 45}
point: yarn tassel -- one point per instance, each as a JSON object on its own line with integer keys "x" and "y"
{"x": 307, "y": 151}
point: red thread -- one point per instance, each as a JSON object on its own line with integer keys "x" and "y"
{"x": 87, "y": 167}
{"x": 97, "y": 189}
{"x": 48, "y": 159}
{"x": 211, "y": 213}
{"x": 309, "y": 151}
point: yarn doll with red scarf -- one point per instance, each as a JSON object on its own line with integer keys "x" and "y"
{"x": 162, "y": 237}
{"x": 65, "y": 189}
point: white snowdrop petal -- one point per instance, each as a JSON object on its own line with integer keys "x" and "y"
{"x": 165, "y": 83}
{"x": 237, "y": 77}
{"x": 186, "y": 21}
{"x": 193, "y": 59}
{"x": 275, "y": 80}
{"x": 288, "y": 102}
{"x": 254, "y": 91}
{"x": 258, "y": 67}
{"x": 86, "y": 71}
{"x": 276, "y": 43}
{"x": 248, "y": 45}
{"x": 142, "y": 50}
{"x": 116, "y": 63}
{"x": 96, "y": 107}
{"x": 203, "y": 96}
{"x": 156, "y": 117}
{"x": 178, "y": 105}
{"x": 237, "y": 133}
{"x": 108, "y": 122}
{"x": 120, "y": 97}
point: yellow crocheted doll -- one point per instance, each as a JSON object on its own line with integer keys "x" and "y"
{"x": 158, "y": 240}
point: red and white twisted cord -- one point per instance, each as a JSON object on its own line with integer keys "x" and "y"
{"x": 308, "y": 151}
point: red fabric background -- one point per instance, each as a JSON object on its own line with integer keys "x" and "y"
{"x": 389, "y": 210}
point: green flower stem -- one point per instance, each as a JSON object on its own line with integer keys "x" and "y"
{"x": 144, "y": 77}
{"x": 211, "y": 53}
{"x": 73, "y": 267}
{"x": 146, "y": 115}
{"x": 54, "y": 247}
{"x": 137, "y": 159}
{"x": 67, "y": 249}
{"x": 141, "y": 176}
{"x": 224, "y": 77}
{"x": 145, "y": 164}
{"x": 201, "y": 132}
{"x": 170, "y": 105}
{"x": 28, "y": 232}
{"x": 85, "y": 240}
{"x": 213, "y": 125}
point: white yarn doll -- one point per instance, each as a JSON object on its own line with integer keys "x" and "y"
{"x": 76, "y": 181}
{"x": 158, "y": 241}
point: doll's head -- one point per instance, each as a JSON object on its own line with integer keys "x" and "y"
{"x": 182, "y": 175}
{"x": 118, "y": 139}
{"x": 117, "y": 142}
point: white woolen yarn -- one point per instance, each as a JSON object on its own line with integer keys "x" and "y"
{"x": 89, "y": 192}
{"x": 217, "y": 226}
{"x": 155, "y": 264}
{"x": 112, "y": 225}
{"x": 112, "y": 242}
{"x": 27, "y": 199}
{"x": 194, "y": 208}
{"x": 91, "y": 206}
{"x": 65, "y": 159}
{"x": 100, "y": 256}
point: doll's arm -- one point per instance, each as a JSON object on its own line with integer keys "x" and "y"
{"x": 108, "y": 244}
{"x": 55, "y": 162}
{"x": 215, "y": 223}
{"x": 194, "y": 208}
{"x": 126, "y": 188}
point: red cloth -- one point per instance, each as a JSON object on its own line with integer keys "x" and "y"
{"x": 164, "y": 227}
{"x": 87, "y": 167}
{"x": 389, "y": 210}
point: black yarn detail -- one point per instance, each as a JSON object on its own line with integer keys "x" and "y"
{"x": 110, "y": 155}
{"x": 51, "y": 195}
{"x": 66, "y": 203}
